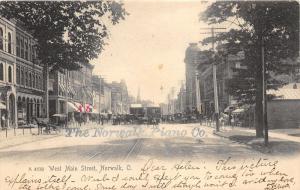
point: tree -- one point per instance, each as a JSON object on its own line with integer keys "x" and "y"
{"x": 68, "y": 32}
{"x": 274, "y": 25}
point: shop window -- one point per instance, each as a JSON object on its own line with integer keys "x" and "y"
{"x": 1, "y": 71}
{"x": 1, "y": 39}
{"x": 9, "y": 74}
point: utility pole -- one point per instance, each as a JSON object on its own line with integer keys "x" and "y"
{"x": 46, "y": 97}
{"x": 67, "y": 96}
{"x": 214, "y": 67}
{"x": 100, "y": 80}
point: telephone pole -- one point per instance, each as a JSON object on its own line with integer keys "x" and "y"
{"x": 214, "y": 67}
{"x": 67, "y": 96}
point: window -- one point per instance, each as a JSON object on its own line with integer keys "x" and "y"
{"x": 22, "y": 48}
{"x": 26, "y": 49}
{"x": 9, "y": 42}
{"x": 30, "y": 79}
{"x": 1, "y": 71}
{"x": 32, "y": 52}
{"x": 26, "y": 78}
{"x": 22, "y": 77}
{"x": 40, "y": 83}
{"x": 18, "y": 75}
{"x": 1, "y": 39}
{"x": 9, "y": 74}
{"x": 18, "y": 47}
{"x": 33, "y": 81}
{"x": 36, "y": 82}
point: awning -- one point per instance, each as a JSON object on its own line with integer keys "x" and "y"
{"x": 72, "y": 107}
{"x": 238, "y": 110}
{"x": 79, "y": 107}
{"x": 229, "y": 109}
{"x": 2, "y": 106}
{"x": 88, "y": 108}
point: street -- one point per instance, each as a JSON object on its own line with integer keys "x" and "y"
{"x": 165, "y": 141}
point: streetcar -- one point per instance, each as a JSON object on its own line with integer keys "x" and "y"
{"x": 145, "y": 114}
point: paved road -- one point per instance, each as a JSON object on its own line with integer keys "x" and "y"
{"x": 165, "y": 141}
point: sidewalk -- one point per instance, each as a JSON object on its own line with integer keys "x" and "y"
{"x": 281, "y": 142}
{"x": 14, "y": 137}
{"x": 18, "y": 136}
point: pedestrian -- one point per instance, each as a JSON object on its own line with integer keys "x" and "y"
{"x": 102, "y": 119}
{"x": 229, "y": 119}
{"x": 3, "y": 119}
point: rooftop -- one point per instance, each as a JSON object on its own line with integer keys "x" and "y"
{"x": 287, "y": 92}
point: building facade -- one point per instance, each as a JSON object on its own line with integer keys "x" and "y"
{"x": 102, "y": 95}
{"x": 21, "y": 84}
{"x": 71, "y": 91}
{"x": 7, "y": 73}
{"x": 119, "y": 98}
{"x": 29, "y": 78}
{"x": 225, "y": 71}
{"x": 191, "y": 61}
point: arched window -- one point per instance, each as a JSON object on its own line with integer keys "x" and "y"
{"x": 33, "y": 81}
{"x": 22, "y": 77}
{"x": 40, "y": 83}
{"x": 26, "y": 49}
{"x": 18, "y": 46}
{"x": 36, "y": 82}
{"x": 26, "y": 78}
{"x": 9, "y": 74}
{"x": 9, "y": 42}
{"x": 30, "y": 79}
{"x": 1, "y": 39}
{"x": 1, "y": 71}
{"x": 18, "y": 75}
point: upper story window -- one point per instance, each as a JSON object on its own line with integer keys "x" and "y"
{"x": 30, "y": 80}
{"x": 1, "y": 71}
{"x": 26, "y": 78}
{"x": 18, "y": 46}
{"x": 18, "y": 75}
{"x": 40, "y": 83}
{"x": 26, "y": 49}
{"x": 33, "y": 81}
{"x": 32, "y": 52}
{"x": 22, "y": 48}
{"x": 22, "y": 77}
{"x": 1, "y": 38}
{"x": 9, "y": 43}
{"x": 9, "y": 74}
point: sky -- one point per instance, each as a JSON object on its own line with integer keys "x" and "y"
{"x": 147, "y": 49}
